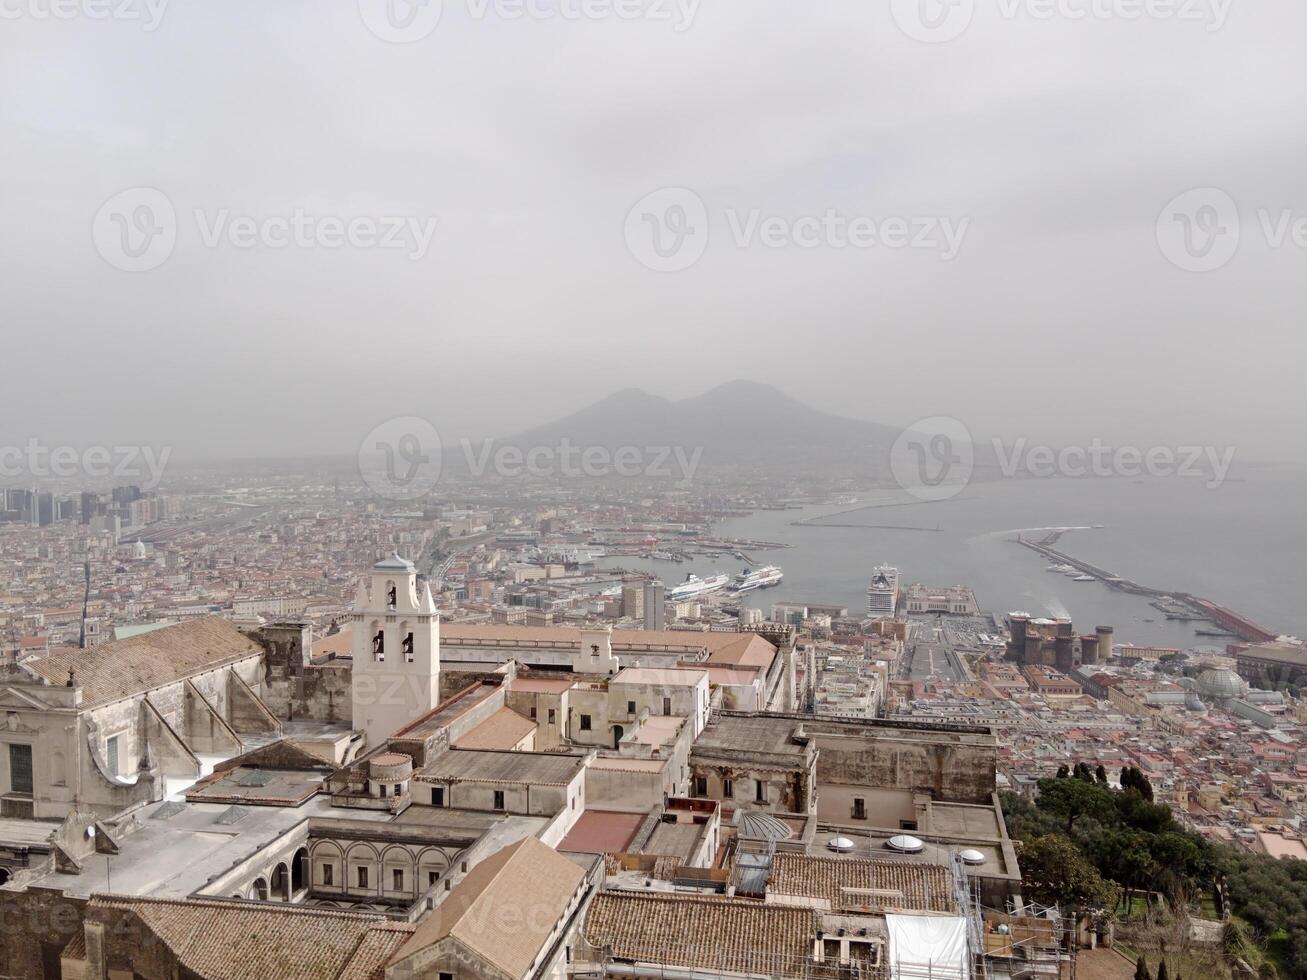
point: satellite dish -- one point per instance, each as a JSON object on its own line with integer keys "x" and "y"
{"x": 905, "y": 844}
{"x": 841, "y": 845}
{"x": 972, "y": 857}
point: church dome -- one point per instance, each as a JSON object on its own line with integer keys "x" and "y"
{"x": 1221, "y": 684}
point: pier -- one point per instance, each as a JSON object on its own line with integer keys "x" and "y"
{"x": 1231, "y": 622}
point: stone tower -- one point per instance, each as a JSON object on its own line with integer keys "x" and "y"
{"x": 396, "y": 674}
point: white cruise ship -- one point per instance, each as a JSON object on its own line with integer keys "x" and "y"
{"x": 696, "y": 586}
{"x": 883, "y": 592}
{"x": 757, "y": 578}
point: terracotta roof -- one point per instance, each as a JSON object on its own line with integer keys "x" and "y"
{"x": 907, "y": 884}
{"x": 223, "y": 941}
{"x": 725, "y": 934}
{"x": 122, "y": 668}
{"x": 502, "y": 730}
{"x": 506, "y": 908}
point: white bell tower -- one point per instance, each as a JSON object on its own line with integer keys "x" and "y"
{"x": 396, "y": 674}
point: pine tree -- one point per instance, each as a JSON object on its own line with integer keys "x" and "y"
{"x": 1141, "y": 969}
{"x": 1161, "y": 972}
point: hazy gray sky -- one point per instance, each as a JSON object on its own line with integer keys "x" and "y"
{"x": 1054, "y": 142}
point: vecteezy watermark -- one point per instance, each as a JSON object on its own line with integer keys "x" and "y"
{"x": 1202, "y": 230}
{"x": 37, "y": 461}
{"x": 1208, "y": 463}
{"x": 941, "y": 21}
{"x": 401, "y": 458}
{"x": 407, "y": 21}
{"x": 568, "y": 460}
{"x": 933, "y": 458}
{"x": 147, "y": 13}
{"x": 669, "y": 229}
{"x": 136, "y": 230}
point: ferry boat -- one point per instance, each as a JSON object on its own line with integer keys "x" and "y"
{"x": 758, "y": 578}
{"x": 696, "y": 586}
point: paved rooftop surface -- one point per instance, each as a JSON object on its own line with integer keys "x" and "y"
{"x": 466, "y": 765}
{"x": 602, "y": 832}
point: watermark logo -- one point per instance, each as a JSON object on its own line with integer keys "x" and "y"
{"x": 933, "y": 21}
{"x": 1208, "y": 463}
{"x": 406, "y": 21}
{"x": 1200, "y": 230}
{"x": 136, "y": 229}
{"x": 933, "y": 458}
{"x": 401, "y": 21}
{"x": 400, "y": 459}
{"x": 941, "y": 21}
{"x": 669, "y": 231}
{"x": 567, "y": 460}
{"x": 147, "y": 13}
{"x": 37, "y": 461}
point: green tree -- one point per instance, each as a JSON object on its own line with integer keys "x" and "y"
{"x": 1101, "y": 775}
{"x": 1072, "y": 799}
{"x": 1162, "y": 973}
{"x": 1054, "y": 872}
{"x": 1141, "y": 969}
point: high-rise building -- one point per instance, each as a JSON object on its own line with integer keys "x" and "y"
{"x": 883, "y": 592}
{"x": 633, "y": 598}
{"x": 655, "y": 602}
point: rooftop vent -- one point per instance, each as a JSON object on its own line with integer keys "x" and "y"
{"x": 972, "y": 857}
{"x": 840, "y": 845}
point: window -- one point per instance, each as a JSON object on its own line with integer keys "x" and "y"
{"x": 363, "y": 877}
{"x": 499, "y": 799}
{"x": 667, "y": 706}
{"x": 759, "y": 791}
{"x": 630, "y": 708}
{"x": 728, "y": 788}
{"x": 20, "y": 769}
{"x": 533, "y": 712}
{"x": 398, "y": 877}
{"x": 585, "y": 723}
{"x": 383, "y": 791}
{"x": 431, "y": 877}
{"x": 859, "y": 808}
{"x": 447, "y": 976}
{"x": 552, "y": 717}
{"x": 328, "y": 874}
{"x": 700, "y": 785}
{"x": 110, "y": 750}
{"x": 437, "y": 796}
{"x": 398, "y": 790}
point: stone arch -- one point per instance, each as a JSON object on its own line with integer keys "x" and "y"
{"x": 362, "y": 855}
{"x": 259, "y": 890}
{"x": 299, "y": 871}
{"x": 281, "y": 882}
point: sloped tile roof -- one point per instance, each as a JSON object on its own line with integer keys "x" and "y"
{"x": 922, "y": 887}
{"x": 123, "y": 668}
{"x": 222, "y": 941}
{"x": 506, "y": 908}
{"x": 731, "y": 935}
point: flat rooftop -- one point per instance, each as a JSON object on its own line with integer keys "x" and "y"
{"x": 773, "y": 734}
{"x": 181, "y": 847}
{"x": 661, "y": 676}
{"x": 602, "y": 832}
{"x": 475, "y": 766}
{"x": 257, "y": 787}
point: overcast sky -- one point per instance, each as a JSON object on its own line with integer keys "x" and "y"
{"x": 1050, "y": 147}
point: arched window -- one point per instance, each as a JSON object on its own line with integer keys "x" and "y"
{"x": 299, "y": 871}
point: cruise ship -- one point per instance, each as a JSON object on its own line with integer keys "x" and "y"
{"x": 883, "y": 592}
{"x": 696, "y": 586}
{"x": 757, "y": 578}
